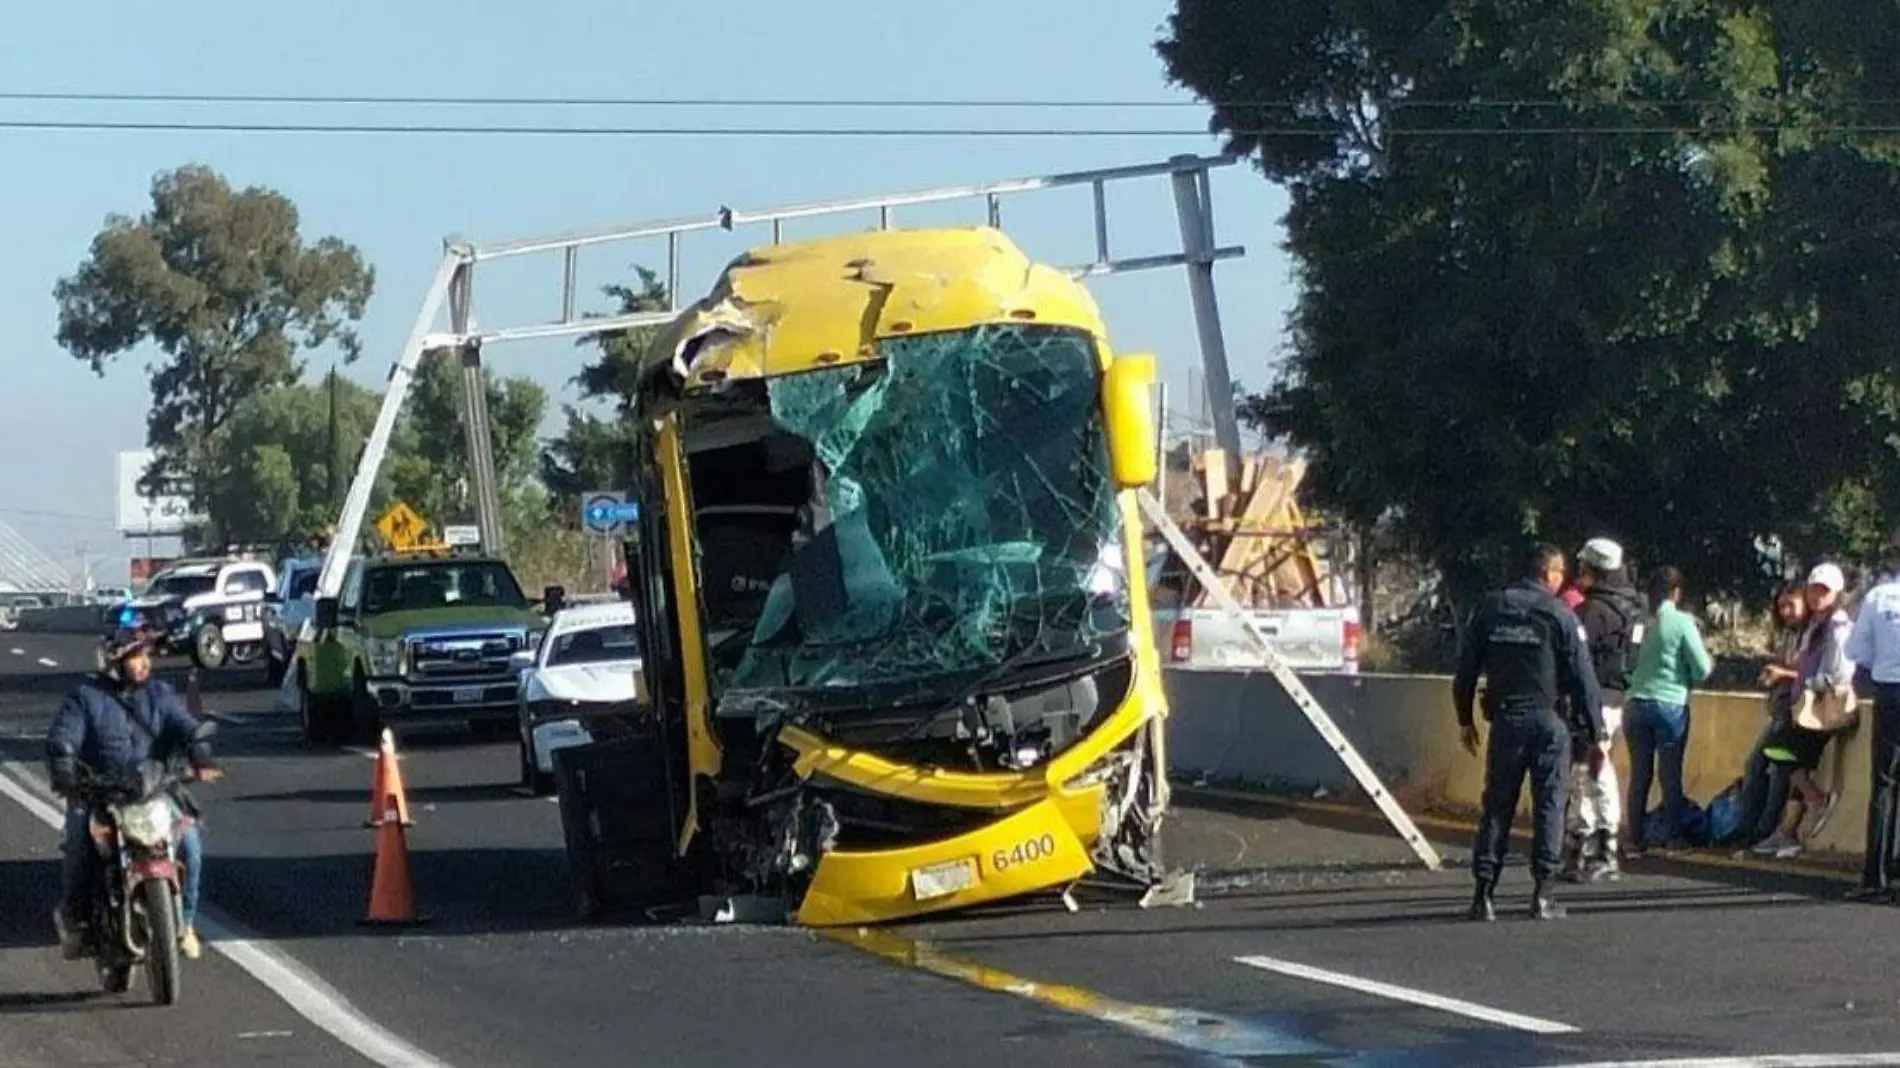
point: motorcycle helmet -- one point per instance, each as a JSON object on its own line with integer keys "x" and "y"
{"x": 118, "y": 646}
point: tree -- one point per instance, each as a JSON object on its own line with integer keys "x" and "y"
{"x": 594, "y": 451}
{"x": 222, "y": 282}
{"x": 1565, "y": 269}
{"x": 429, "y": 465}
{"x": 288, "y": 462}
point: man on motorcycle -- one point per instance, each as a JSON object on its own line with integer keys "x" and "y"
{"x": 110, "y": 724}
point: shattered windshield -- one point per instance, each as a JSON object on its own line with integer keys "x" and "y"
{"x": 961, "y": 516}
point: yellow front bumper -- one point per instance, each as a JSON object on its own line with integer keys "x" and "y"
{"x": 1040, "y": 847}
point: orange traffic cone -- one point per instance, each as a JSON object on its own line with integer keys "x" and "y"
{"x": 387, "y": 799}
{"x": 392, "y": 893}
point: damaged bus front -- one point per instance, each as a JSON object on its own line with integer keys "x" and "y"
{"x": 894, "y": 658}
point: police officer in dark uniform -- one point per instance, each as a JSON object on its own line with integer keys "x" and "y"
{"x": 1529, "y": 648}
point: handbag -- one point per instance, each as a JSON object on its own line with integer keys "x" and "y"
{"x": 1828, "y": 710}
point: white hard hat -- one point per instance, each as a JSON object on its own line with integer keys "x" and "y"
{"x": 1829, "y": 577}
{"x": 1601, "y": 554}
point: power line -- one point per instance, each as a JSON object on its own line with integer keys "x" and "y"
{"x": 1445, "y": 103}
{"x": 37, "y": 513}
{"x": 913, "y": 132}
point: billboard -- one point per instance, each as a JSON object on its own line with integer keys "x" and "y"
{"x": 140, "y": 516}
{"x": 144, "y": 567}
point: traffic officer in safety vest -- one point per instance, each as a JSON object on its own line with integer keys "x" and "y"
{"x": 1529, "y": 648}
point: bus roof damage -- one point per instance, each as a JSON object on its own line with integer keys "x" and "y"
{"x": 827, "y": 302}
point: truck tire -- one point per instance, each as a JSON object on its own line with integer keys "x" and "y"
{"x": 316, "y": 716}
{"x": 208, "y": 649}
{"x": 366, "y": 720}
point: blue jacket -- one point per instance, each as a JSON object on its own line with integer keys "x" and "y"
{"x": 94, "y": 727}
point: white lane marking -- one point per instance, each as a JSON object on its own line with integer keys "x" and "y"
{"x": 47, "y": 661}
{"x": 1407, "y": 994}
{"x": 1766, "y": 1061}
{"x": 1789, "y": 1060}
{"x": 361, "y": 751}
{"x": 17, "y": 651}
{"x": 303, "y": 990}
{"x": 235, "y": 719}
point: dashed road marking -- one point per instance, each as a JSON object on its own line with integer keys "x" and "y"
{"x": 47, "y": 661}
{"x": 1406, "y": 994}
{"x": 1766, "y": 1061}
{"x": 303, "y": 990}
{"x": 17, "y": 651}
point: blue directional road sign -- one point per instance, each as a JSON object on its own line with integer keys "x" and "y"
{"x": 605, "y": 512}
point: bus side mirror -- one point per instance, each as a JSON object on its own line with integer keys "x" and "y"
{"x": 324, "y": 613}
{"x": 1127, "y": 412}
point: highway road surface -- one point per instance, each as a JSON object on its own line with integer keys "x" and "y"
{"x": 1313, "y": 945}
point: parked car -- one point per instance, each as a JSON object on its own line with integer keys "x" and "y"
{"x": 209, "y": 609}
{"x": 1307, "y": 639}
{"x": 588, "y": 664}
{"x": 285, "y": 613}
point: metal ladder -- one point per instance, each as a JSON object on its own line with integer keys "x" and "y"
{"x": 1303, "y": 698}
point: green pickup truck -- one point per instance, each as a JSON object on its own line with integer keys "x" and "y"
{"x": 418, "y": 640}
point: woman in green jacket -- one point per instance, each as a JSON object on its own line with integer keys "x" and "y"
{"x": 1670, "y": 661}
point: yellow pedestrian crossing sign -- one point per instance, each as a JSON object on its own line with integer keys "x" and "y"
{"x": 401, "y": 527}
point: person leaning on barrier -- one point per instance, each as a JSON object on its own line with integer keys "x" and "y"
{"x": 1529, "y": 648}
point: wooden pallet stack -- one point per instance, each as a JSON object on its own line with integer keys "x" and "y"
{"x": 1245, "y": 519}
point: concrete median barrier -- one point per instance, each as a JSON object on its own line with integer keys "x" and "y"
{"x": 66, "y": 619}
{"x": 1240, "y": 727}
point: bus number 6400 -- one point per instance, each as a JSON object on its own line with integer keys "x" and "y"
{"x": 1024, "y": 852}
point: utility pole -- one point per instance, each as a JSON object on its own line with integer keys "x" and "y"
{"x": 333, "y": 486}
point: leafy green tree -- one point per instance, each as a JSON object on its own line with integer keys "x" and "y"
{"x": 594, "y": 451}
{"x": 288, "y": 463}
{"x": 1574, "y": 267}
{"x": 224, "y": 285}
{"x": 429, "y": 464}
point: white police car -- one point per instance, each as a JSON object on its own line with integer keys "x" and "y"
{"x": 587, "y": 664}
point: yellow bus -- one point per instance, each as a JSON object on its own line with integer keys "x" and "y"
{"x": 893, "y": 662}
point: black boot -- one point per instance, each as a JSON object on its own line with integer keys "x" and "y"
{"x": 1483, "y": 908}
{"x": 1545, "y": 907}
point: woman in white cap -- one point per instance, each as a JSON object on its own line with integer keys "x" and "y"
{"x": 1823, "y": 706}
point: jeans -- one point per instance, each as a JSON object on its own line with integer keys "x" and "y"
{"x": 1764, "y": 786}
{"x": 77, "y": 860}
{"x": 1658, "y": 738}
{"x": 1536, "y": 745}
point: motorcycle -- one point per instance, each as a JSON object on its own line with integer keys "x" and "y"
{"x": 135, "y": 903}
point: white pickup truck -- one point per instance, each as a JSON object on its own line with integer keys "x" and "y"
{"x": 1308, "y": 639}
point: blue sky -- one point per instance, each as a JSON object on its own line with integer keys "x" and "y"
{"x": 396, "y": 197}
